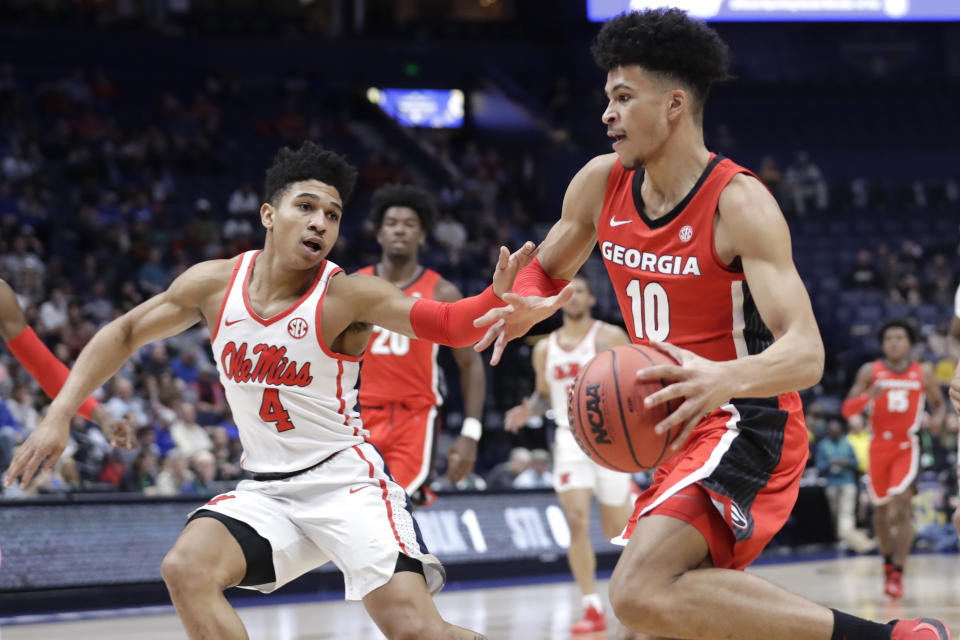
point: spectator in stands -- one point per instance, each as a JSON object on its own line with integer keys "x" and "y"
{"x": 125, "y": 404}
{"x": 502, "y": 476}
{"x": 114, "y": 468}
{"x": 244, "y": 202}
{"x": 10, "y": 435}
{"x": 174, "y": 475}
{"x": 98, "y": 307}
{"x": 186, "y": 365}
{"x": 837, "y": 463}
{"x": 53, "y": 312}
{"x": 21, "y": 407}
{"x": 450, "y": 232}
{"x": 537, "y": 475}
{"x": 803, "y": 182}
{"x": 189, "y": 436}
{"x": 227, "y": 467}
{"x": 770, "y": 174}
{"x": 204, "y": 467}
{"x": 864, "y": 274}
{"x": 141, "y": 476}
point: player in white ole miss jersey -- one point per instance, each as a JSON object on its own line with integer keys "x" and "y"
{"x": 557, "y": 360}
{"x": 288, "y": 330}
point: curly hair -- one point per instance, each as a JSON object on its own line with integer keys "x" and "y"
{"x": 404, "y": 195}
{"x": 665, "y": 41}
{"x": 898, "y": 323}
{"x": 309, "y": 162}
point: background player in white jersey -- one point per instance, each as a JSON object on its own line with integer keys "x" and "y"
{"x": 557, "y": 360}
{"x": 288, "y": 329}
{"x": 955, "y": 383}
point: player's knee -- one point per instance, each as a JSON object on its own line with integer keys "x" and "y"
{"x": 181, "y": 571}
{"x": 415, "y": 628}
{"x": 578, "y": 523}
{"x": 641, "y": 609}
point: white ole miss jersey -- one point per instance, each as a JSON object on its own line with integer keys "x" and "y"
{"x": 563, "y": 365}
{"x": 292, "y": 398}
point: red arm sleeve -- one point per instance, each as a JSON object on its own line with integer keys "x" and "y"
{"x": 27, "y": 348}
{"x": 856, "y": 404}
{"x": 532, "y": 280}
{"x": 451, "y": 323}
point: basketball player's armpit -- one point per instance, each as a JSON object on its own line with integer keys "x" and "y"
{"x": 451, "y": 323}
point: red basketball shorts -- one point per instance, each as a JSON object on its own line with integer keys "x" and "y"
{"x": 736, "y": 478}
{"x": 893, "y": 468}
{"x": 405, "y": 437}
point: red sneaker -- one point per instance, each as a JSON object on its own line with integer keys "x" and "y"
{"x": 920, "y": 629}
{"x": 894, "y": 585}
{"x": 593, "y": 620}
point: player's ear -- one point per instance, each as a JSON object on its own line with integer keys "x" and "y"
{"x": 267, "y": 212}
{"x": 678, "y": 102}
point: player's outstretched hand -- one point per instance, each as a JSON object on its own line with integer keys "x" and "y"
{"x": 522, "y": 312}
{"x": 516, "y": 417}
{"x": 461, "y": 458}
{"x": 955, "y": 391}
{"x": 701, "y": 384}
{"x": 46, "y": 442}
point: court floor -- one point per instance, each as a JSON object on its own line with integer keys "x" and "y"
{"x": 538, "y": 611}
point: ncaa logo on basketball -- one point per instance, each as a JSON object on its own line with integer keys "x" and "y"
{"x": 297, "y": 328}
{"x": 686, "y": 233}
{"x": 595, "y": 415}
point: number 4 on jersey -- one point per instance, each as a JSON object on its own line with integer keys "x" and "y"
{"x": 272, "y": 411}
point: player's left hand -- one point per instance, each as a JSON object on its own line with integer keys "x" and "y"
{"x": 702, "y": 385}
{"x": 461, "y": 458}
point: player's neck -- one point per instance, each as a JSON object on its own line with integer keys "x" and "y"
{"x": 399, "y": 270}
{"x": 576, "y": 328}
{"x": 271, "y": 281}
{"x": 898, "y": 365}
{"x": 670, "y": 176}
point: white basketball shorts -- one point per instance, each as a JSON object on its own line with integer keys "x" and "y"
{"x": 572, "y": 469}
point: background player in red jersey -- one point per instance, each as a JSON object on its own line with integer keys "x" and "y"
{"x": 700, "y": 257}
{"x": 557, "y": 359}
{"x": 893, "y": 391}
{"x": 290, "y": 386}
{"x": 47, "y": 370}
{"x": 399, "y": 394}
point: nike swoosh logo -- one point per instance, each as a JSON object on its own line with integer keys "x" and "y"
{"x": 354, "y": 490}
{"x": 230, "y": 322}
{"x": 616, "y": 223}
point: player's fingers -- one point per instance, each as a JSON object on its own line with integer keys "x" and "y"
{"x": 688, "y": 428}
{"x": 525, "y": 254}
{"x": 30, "y": 468}
{"x": 563, "y": 297}
{"x": 681, "y": 415}
{"x": 498, "y": 347}
{"x": 675, "y": 352}
{"x": 669, "y": 392}
{"x": 503, "y": 259}
{"x": 491, "y": 334}
{"x": 665, "y": 371}
{"x": 16, "y": 465}
{"x": 492, "y": 316}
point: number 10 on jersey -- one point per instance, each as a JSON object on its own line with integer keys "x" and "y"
{"x": 650, "y": 309}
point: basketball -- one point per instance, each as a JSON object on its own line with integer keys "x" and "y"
{"x": 606, "y": 411}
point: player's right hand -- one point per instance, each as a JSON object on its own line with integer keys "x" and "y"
{"x": 517, "y": 417}
{"x": 47, "y": 442}
{"x": 514, "y": 320}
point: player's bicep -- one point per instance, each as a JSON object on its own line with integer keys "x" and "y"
{"x": 376, "y": 301}
{"x": 762, "y": 240}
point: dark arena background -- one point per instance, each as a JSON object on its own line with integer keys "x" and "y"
{"x": 134, "y": 136}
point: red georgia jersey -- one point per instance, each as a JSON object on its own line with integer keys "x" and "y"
{"x": 397, "y": 368}
{"x": 895, "y": 415}
{"x": 670, "y": 283}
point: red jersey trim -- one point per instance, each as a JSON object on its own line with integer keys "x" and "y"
{"x": 383, "y": 495}
{"x": 226, "y": 296}
{"x": 283, "y": 314}
{"x": 318, "y": 323}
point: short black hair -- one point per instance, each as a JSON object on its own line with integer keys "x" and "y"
{"x": 901, "y": 323}
{"x": 665, "y": 41}
{"x": 585, "y": 281}
{"x": 404, "y": 195}
{"x": 309, "y": 162}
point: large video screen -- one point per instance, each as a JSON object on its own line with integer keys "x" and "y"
{"x": 789, "y": 10}
{"x": 434, "y": 108}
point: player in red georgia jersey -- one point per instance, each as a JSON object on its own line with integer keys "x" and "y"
{"x": 893, "y": 390}
{"x": 700, "y": 256}
{"x": 399, "y": 395}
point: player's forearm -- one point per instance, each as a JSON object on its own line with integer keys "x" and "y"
{"x": 100, "y": 359}
{"x": 451, "y": 323}
{"x": 793, "y": 362}
{"x": 539, "y": 404}
{"x": 473, "y": 385}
